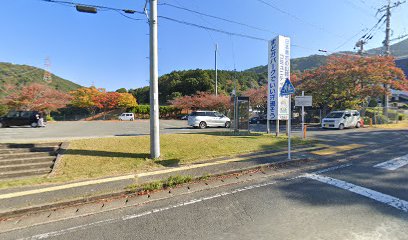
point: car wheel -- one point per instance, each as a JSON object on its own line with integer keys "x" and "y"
{"x": 2, "y": 125}
{"x": 228, "y": 124}
{"x": 34, "y": 124}
{"x": 202, "y": 125}
{"x": 341, "y": 126}
{"x": 132, "y": 119}
{"x": 358, "y": 125}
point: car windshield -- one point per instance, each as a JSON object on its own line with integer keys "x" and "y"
{"x": 335, "y": 115}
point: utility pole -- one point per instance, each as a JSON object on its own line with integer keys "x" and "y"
{"x": 387, "y": 47}
{"x": 360, "y": 44}
{"x": 387, "y": 50}
{"x": 216, "y": 70}
{"x": 154, "y": 85}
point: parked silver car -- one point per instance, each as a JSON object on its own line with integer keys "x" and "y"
{"x": 203, "y": 119}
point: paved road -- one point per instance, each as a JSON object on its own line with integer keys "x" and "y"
{"x": 91, "y": 129}
{"x": 354, "y": 201}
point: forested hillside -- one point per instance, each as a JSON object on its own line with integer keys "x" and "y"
{"x": 18, "y": 75}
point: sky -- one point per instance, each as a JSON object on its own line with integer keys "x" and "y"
{"x": 111, "y": 51}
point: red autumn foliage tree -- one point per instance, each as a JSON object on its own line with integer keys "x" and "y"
{"x": 349, "y": 81}
{"x": 202, "y": 100}
{"x": 35, "y": 96}
{"x": 257, "y": 97}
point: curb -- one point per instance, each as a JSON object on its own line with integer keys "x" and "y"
{"x": 63, "y": 148}
{"x": 93, "y": 199}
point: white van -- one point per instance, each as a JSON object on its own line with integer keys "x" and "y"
{"x": 127, "y": 117}
{"x": 342, "y": 119}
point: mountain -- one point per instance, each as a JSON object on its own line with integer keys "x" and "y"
{"x": 188, "y": 82}
{"x": 399, "y": 49}
{"x": 18, "y": 75}
{"x": 296, "y": 64}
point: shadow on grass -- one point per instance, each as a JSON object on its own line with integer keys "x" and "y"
{"x": 96, "y": 153}
{"x": 145, "y": 156}
{"x": 169, "y": 162}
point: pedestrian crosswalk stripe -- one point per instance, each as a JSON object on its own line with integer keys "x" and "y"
{"x": 393, "y": 163}
{"x": 366, "y": 192}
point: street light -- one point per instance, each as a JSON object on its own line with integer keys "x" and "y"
{"x": 86, "y": 9}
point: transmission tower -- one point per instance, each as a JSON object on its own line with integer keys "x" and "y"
{"x": 47, "y": 70}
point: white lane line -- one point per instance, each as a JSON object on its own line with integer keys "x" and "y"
{"x": 157, "y": 210}
{"x": 394, "y": 163}
{"x": 133, "y": 216}
{"x": 380, "y": 197}
{"x": 333, "y": 168}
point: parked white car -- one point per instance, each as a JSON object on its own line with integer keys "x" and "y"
{"x": 203, "y": 119}
{"x": 342, "y": 119}
{"x": 127, "y": 117}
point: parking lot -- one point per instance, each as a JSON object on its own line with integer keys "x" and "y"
{"x": 93, "y": 129}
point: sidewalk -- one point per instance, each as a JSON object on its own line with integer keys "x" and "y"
{"x": 37, "y": 197}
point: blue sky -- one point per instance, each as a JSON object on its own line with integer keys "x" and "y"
{"x": 111, "y": 51}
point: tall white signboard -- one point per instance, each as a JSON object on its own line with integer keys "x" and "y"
{"x": 278, "y": 72}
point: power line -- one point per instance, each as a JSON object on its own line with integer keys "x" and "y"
{"x": 170, "y": 19}
{"x": 360, "y": 8}
{"x": 214, "y": 29}
{"x": 218, "y": 18}
{"x": 297, "y": 18}
{"x": 67, "y": 3}
{"x": 349, "y": 39}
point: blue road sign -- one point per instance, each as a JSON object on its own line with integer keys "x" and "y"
{"x": 287, "y": 89}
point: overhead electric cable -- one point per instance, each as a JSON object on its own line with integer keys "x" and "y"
{"x": 218, "y": 18}
{"x": 297, "y": 18}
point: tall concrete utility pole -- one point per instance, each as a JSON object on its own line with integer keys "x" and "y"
{"x": 154, "y": 84}
{"x": 216, "y": 70}
{"x": 387, "y": 50}
{"x": 387, "y": 47}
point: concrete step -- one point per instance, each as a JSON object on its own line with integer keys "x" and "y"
{"x": 23, "y": 167}
{"x": 25, "y": 173}
{"x": 7, "y": 156}
{"x": 24, "y": 150}
{"x": 15, "y": 161}
{"x": 28, "y": 145}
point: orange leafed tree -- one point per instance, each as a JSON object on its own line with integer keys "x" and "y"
{"x": 349, "y": 81}
{"x": 35, "y": 96}
{"x": 204, "y": 101}
{"x": 98, "y": 98}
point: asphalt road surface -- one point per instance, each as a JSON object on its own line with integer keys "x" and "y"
{"x": 363, "y": 199}
{"x": 93, "y": 129}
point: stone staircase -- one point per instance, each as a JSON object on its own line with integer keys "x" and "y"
{"x": 24, "y": 160}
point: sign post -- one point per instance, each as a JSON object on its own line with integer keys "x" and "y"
{"x": 278, "y": 72}
{"x": 287, "y": 90}
{"x": 303, "y": 117}
{"x": 303, "y": 101}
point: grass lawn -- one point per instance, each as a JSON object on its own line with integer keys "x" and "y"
{"x": 92, "y": 158}
{"x": 399, "y": 125}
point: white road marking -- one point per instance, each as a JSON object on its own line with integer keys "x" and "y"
{"x": 133, "y": 216}
{"x": 333, "y": 168}
{"x": 394, "y": 163}
{"x": 157, "y": 210}
{"x": 380, "y": 197}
